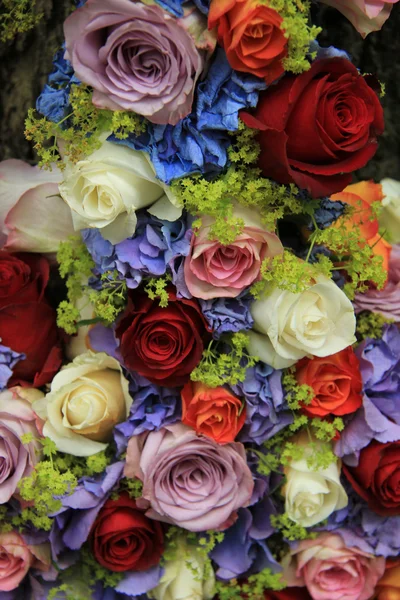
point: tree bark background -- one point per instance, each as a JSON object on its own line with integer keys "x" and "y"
{"x": 26, "y": 61}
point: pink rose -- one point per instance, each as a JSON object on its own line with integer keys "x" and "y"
{"x": 33, "y": 218}
{"x": 17, "y": 558}
{"x": 136, "y": 57}
{"x": 17, "y": 460}
{"x": 188, "y": 480}
{"x": 213, "y": 270}
{"x": 365, "y": 15}
{"x": 385, "y": 301}
{"x": 334, "y": 566}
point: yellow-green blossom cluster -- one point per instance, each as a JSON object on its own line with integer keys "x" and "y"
{"x": 290, "y": 530}
{"x": 253, "y": 589}
{"x": 370, "y": 325}
{"x": 18, "y": 16}
{"x": 157, "y": 288}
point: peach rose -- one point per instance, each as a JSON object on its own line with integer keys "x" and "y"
{"x": 214, "y": 412}
{"x": 213, "y": 270}
{"x": 251, "y": 35}
{"x": 17, "y": 558}
{"x": 331, "y": 570}
{"x": 388, "y": 587}
{"x": 365, "y": 15}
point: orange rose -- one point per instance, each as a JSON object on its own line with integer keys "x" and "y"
{"x": 214, "y": 412}
{"x": 251, "y": 36}
{"x": 336, "y": 381}
{"x": 388, "y": 587}
{"x": 360, "y": 196}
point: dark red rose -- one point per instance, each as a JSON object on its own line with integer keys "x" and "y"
{"x": 318, "y": 127}
{"x": 124, "y": 539}
{"x": 23, "y": 277}
{"x": 336, "y": 381}
{"x": 377, "y": 477}
{"x": 162, "y": 344}
{"x": 31, "y": 328}
{"x": 290, "y": 593}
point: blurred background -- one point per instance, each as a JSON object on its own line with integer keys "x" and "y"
{"x": 26, "y": 61}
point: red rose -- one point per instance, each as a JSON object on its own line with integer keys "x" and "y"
{"x": 290, "y": 593}
{"x": 336, "y": 381}
{"x": 318, "y": 127}
{"x": 162, "y": 344}
{"x": 124, "y": 539}
{"x": 23, "y": 277}
{"x": 377, "y": 477}
{"x": 31, "y": 328}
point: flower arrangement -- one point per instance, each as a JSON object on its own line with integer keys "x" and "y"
{"x": 200, "y": 353}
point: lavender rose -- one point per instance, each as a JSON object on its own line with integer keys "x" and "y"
{"x": 17, "y": 460}
{"x": 386, "y": 301}
{"x": 136, "y": 57}
{"x": 188, "y": 480}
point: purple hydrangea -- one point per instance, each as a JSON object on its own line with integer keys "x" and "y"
{"x": 225, "y": 315}
{"x": 379, "y": 416}
{"x": 266, "y": 409}
{"x": 199, "y": 142}
{"x": 152, "y": 408}
{"x": 156, "y": 247}
{"x": 8, "y": 360}
{"x": 176, "y": 6}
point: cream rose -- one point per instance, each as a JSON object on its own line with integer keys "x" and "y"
{"x": 317, "y": 322}
{"x": 107, "y": 188}
{"x": 310, "y": 495}
{"x": 185, "y": 578}
{"x": 389, "y": 218}
{"x": 88, "y": 397}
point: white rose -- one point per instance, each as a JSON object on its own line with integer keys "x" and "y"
{"x": 311, "y": 496}
{"x": 109, "y": 186}
{"x": 389, "y": 218}
{"x": 185, "y": 579}
{"x": 87, "y": 398}
{"x": 317, "y": 322}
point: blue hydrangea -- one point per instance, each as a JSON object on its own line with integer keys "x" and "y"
{"x": 266, "y": 409}
{"x": 153, "y": 407}
{"x": 176, "y": 6}
{"x": 154, "y": 249}
{"x": 199, "y": 142}
{"x": 53, "y": 102}
{"x": 225, "y": 315}
{"x": 8, "y": 360}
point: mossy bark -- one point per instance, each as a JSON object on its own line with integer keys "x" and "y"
{"x": 26, "y": 61}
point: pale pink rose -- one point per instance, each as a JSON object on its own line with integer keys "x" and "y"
{"x": 213, "y": 270}
{"x": 33, "y": 217}
{"x": 17, "y": 460}
{"x": 189, "y": 480}
{"x": 332, "y": 568}
{"x": 365, "y": 15}
{"x": 17, "y": 557}
{"x": 385, "y": 301}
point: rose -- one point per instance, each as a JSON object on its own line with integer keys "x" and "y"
{"x": 365, "y": 15}
{"x": 87, "y": 398}
{"x": 336, "y": 382}
{"x": 136, "y": 57}
{"x": 214, "y": 270}
{"x": 32, "y": 216}
{"x": 385, "y": 301}
{"x": 162, "y": 344}
{"x": 124, "y": 539}
{"x": 31, "y": 329}
{"x": 388, "y": 587}
{"x": 319, "y": 321}
{"x": 23, "y": 278}
{"x": 333, "y": 568}
{"x": 17, "y": 459}
{"x": 189, "y": 480}
{"x": 251, "y": 36}
{"x": 292, "y": 593}
{"x": 310, "y": 495}
{"x": 213, "y": 412}
{"x": 389, "y": 218}
{"x": 331, "y": 106}
{"x": 17, "y": 558}
{"x": 360, "y": 196}
{"x": 377, "y": 477}
{"x": 106, "y": 188}
{"x": 185, "y": 577}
